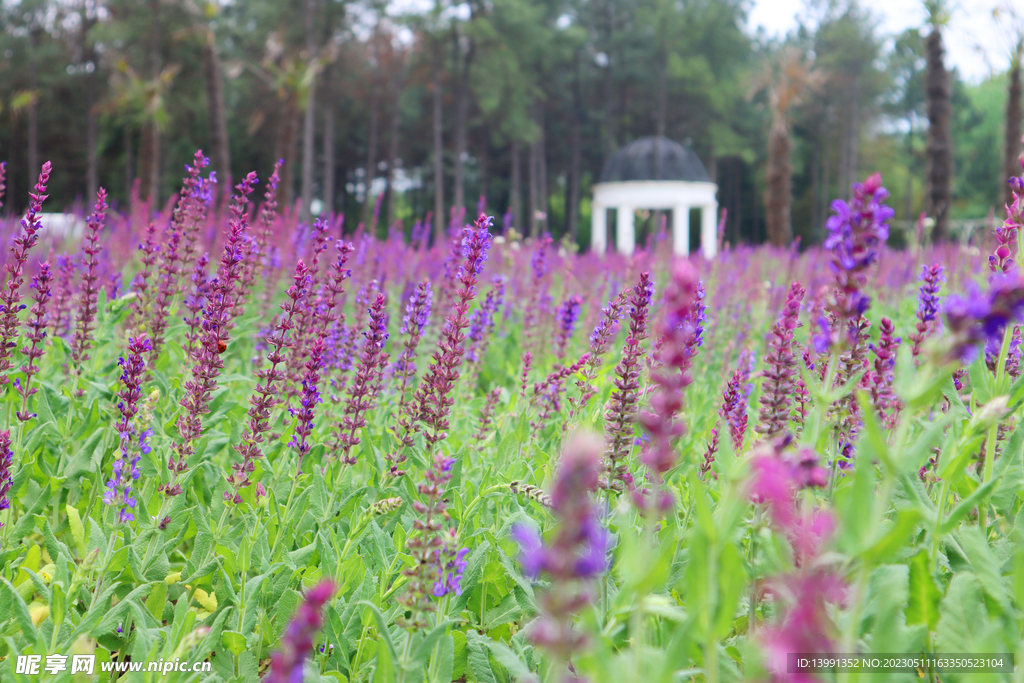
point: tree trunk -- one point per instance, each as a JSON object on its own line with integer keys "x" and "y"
{"x": 284, "y": 148}
{"x": 149, "y": 162}
{"x": 309, "y": 125}
{"x": 778, "y": 191}
{"x": 33, "y": 107}
{"x": 371, "y": 153}
{"x": 608, "y": 127}
{"x": 461, "y": 116}
{"x": 1012, "y": 141}
{"x": 149, "y": 146}
{"x": 484, "y": 163}
{"x": 129, "y": 171}
{"x": 573, "y": 206}
{"x": 542, "y": 173}
{"x": 216, "y": 112}
{"x": 853, "y": 132}
{"x": 92, "y": 157}
{"x": 328, "y": 179}
{"x": 89, "y": 56}
{"x": 396, "y": 129}
{"x": 440, "y": 221}
{"x": 940, "y": 136}
{"x": 515, "y": 190}
{"x": 534, "y": 163}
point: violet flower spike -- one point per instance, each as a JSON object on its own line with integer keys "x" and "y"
{"x": 678, "y": 333}
{"x": 286, "y": 663}
{"x": 567, "y": 315}
{"x": 782, "y": 369}
{"x": 427, "y": 544}
{"x": 434, "y": 396}
{"x": 856, "y": 232}
{"x": 881, "y": 376}
{"x": 87, "y": 307}
{"x": 10, "y": 296}
{"x": 120, "y": 490}
{"x": 264, "y": 399}
{"x": 981, "y": 319}
{"x": 367, "y": 383}
{"x": 217, "y": 319}
{"x": 36, "y": 324}
{"x": 309, "y": 397}
{"x": 63, "y": 293}
{"x": 6, "y": 476}
{"x": 621, "y": 410}
{"x": 927, "y": 306}
{"x": 576, "y": 554}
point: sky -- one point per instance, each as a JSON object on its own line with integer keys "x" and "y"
{"x": 976, "y": 44}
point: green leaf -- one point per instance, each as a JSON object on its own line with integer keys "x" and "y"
{"x": 319, "y": 498}
{"x": 508, "y": 659}
{"x": 234, "y": 642}
{"x": 20, "y": 612}
{"x": 77, "y": 529}
{"x": 478, "y": 658}
{"x": 923, "y": 604}
{"x": 382, "y": 628}
{"x": 888, "y": 592}
{"x": 985, "y": 566}
{"x": 157, "y": 599}
{"x": 963, "y": 624}
{"x": 425, "y": 647}
{"x": 889, "y": 545}
{"x": 385, "y": 670}
{"x": 965, "y": 506}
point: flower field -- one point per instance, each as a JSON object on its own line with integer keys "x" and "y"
{"x": 308, "y": 453}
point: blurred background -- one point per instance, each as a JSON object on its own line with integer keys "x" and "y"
{"x": 415, "y": 106}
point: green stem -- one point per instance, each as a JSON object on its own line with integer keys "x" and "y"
{"x": 993, "y": 432}
{"x": 850, "y": 637}
{"x": 943, "y": 494}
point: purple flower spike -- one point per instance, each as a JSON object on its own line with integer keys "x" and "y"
{"x": 927, "y": 305}
{"x": 218, "y": 317}
{"x": 452, "y": 564}
{"x": 621, "y": 412}
{"x": 576, "y": 554}
{"x": 10, "y": 296}
{"x": 265, "y": 397}
{"x": 982, "y": 318}
{"x": 856, "y": 232}
{"x": 6, "y": 463}
{"x": 782, "y": 370}
{"x": 297, "y": 643}
{"x": 36, "y": 324}
{"x": 434, "y": 398}
{"x": 310, "y": 396}
{"x": 678, "y": 334}
{"x": 126, "y": 472}
{"x": 567, "y": 315}
{"x": 367, "y": 384}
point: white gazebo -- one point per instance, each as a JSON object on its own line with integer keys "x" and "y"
{"x": 654, "y": 173}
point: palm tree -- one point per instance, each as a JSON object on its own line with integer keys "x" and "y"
{"x": 787, "y": 78}
{"x": 939, "y": 96}
{"x": 142, "y": 103}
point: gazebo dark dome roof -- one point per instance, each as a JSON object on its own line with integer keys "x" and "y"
{"x": 654, "y": 158}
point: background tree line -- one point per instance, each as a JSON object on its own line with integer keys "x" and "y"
{"x": 386, "y": 114}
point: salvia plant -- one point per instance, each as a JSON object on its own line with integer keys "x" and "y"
{"x": 284, "y": 456}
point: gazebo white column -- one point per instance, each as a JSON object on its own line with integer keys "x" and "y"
{"x": 681, "y": 230}
{"x": 598, "y": 228}
{"x": 708, "y": 230}
{"x": 625, "y": 237}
